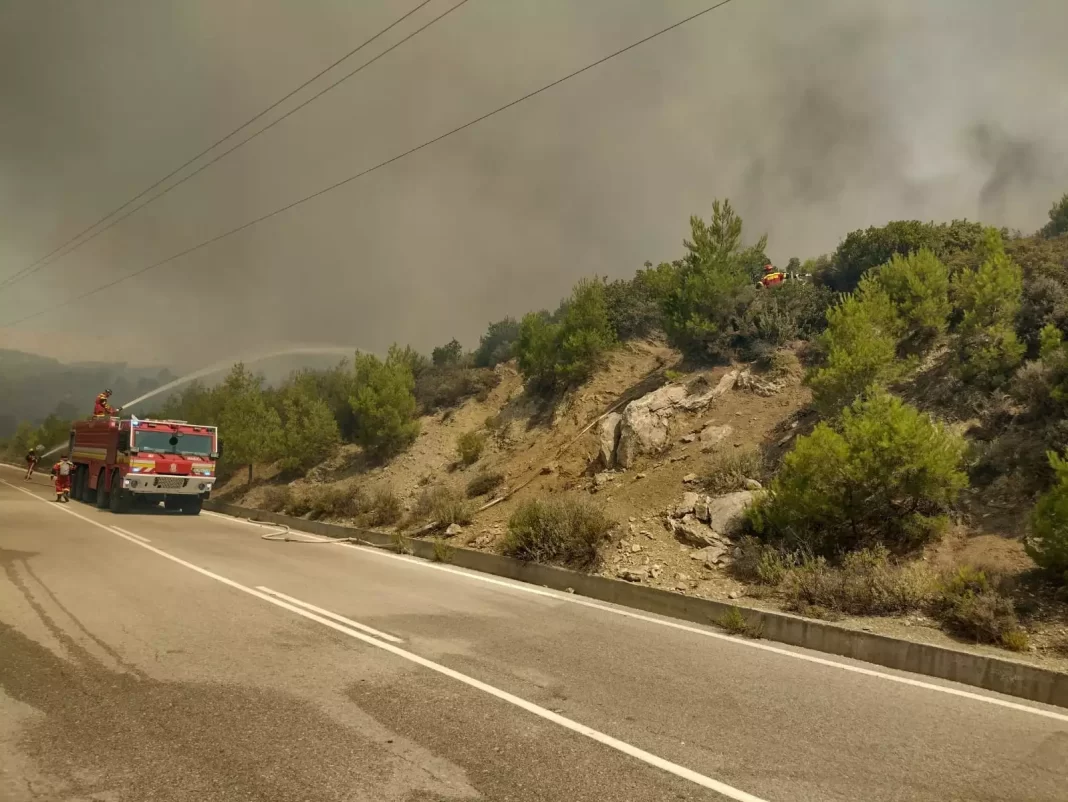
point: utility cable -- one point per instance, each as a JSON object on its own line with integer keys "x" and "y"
{"x": 372, "y": 169}
{"x": 45, "y": 260}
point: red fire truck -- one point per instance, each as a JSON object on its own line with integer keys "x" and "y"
{"x": 120, "y": 462}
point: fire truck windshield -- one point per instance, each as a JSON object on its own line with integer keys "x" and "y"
{"x": 160, "y": 443}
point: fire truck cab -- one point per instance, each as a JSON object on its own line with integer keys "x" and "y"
{"x": 120, "y": 462}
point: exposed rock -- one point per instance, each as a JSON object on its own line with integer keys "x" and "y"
{"x": 685, "y": 507}
{"x": 759, "y": 385}
{"x": 690, "y": 530}
{"x": 655, "y": 570}
{"x": 635, "y": 548}
{"x": 608, "y": 438}
{"x": 682, "y": 577}
{"x": 695, "y": 402}
{"x": 713, "y": 435}
{"x": 710, "y": 555}
{"x": 734, "y": 594}
{"x": 603, "y": 478}
{"x": 453, "y": 530}
{"x": 640, "y": 476}
{"x": 700, "y": 510}
{"x": 689, "y": 478}
{"x": 634, "y": 574}
{"x": 753, "y": 484}
{"x": 644, "y": 425}
{"x": 726, "y": 514}
{"x": 688, "y": 438}
{"x": 548, "y": 469}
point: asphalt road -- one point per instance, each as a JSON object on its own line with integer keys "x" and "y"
{"x": 177, "y": 658}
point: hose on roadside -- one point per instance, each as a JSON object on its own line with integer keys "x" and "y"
{"x": 285, "y": 535}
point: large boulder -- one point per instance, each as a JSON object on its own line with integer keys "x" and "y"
{"x": 726, "y": 514}
{"x": 608, "y": 438}
{"x": 699, "y": 401}
{"x": 713, "y": 435}
{"x": 691, "y": 531}
{"x": 686, "y": 506}
{"x": 644, "y": 427}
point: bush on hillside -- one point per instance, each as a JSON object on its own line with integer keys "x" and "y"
{"x": 484, "y": 483}
{"x": 469, "y": 446}
{"x": 495, "y": 346}
{"x": 703, "y": 313}
{"x": 452, "y": 353}
{"x": 555, "y": 354}
{"x": 918, "y": 286}
{"x": 727, "y": 471}
{"x": 1048, "y": 542}
{"x": 861, "y": 250}
{"x": 634, "y": 305}
{"x": 969, "y": 605}
{"x": 276, "y": 498}
{"x": 383, "y": 403}
{"x": 449, "y": 386}
{"x": 884, "y": 477}
{"x": 794, "y": 310}
{"x": 1058, "y": 219}
{"x": 861, "y": 348}
{"x": 989, "y": 298}
{"x": 867, "y": 582}
{"x": 557, "y": 530}
{"x": 383, "y": 508}
{"x": 309, "y": 430}
{"x": 443, "y": 505}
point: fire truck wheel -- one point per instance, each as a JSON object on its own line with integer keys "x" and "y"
{"x": 76, "y": 484}
{"x": 102, "y": 496}
{"x": 120, "y": 499}
{"x": 191, "y": 505}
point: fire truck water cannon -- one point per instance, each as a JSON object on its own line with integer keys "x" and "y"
{"x": 120, "y": 463}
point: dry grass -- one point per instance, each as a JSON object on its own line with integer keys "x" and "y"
{"x": 727, "y": 471}
{"x": 443, "y": 505}
{"x": 470, "y": 446}
{"x": 558, "y": 530}
{"x": 972, "y": 605}
{"x": 484, "y": 483}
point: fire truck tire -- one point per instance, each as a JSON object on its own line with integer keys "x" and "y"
{"x": 172, "y": 502}
{"x": 102, "y": 496}
{"x": 191, "y": 505}
{"x": 76, "y": 484}
{"x": 121, "y": 500}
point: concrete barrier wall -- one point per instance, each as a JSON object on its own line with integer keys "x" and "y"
{"x": 982, "y": 671}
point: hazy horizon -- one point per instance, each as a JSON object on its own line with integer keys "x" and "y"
{"x": 814, "y": 121}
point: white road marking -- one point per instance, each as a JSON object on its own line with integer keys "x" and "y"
{"x": 764, "y": 647}
{"x": 131, "y": 534}
{"x": 333, "y": 616}
{"x": 595, "y": 735}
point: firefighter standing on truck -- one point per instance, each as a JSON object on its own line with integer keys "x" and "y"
{"x": 102, "y": 409}
{"x": 61, "y": 475}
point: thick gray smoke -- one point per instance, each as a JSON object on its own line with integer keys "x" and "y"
{"x": 815, "y": 118}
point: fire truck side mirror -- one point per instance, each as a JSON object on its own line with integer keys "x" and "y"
{"x": 123, "y": 446}
{"x": 218, "y": 452}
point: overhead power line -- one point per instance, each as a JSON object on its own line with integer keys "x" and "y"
{"x": 374, "y": 168}
{"x": 47, "y": 259}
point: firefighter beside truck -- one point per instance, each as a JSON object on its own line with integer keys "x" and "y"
{"x": 119, "y": 462}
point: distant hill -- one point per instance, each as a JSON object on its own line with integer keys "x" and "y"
{"x": 33, "y": 386}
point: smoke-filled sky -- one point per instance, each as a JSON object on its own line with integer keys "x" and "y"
{"x": 815, "y": 117}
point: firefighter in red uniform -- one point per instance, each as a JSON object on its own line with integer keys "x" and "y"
{"x": 102, "y": 409}
{"x": 772, "y": 277}
{"x": 61, "y": 472}
{"x": 31, "y": 462}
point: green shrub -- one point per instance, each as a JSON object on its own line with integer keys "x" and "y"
{"x": 383, "y": 403}
{"x": 918, "y": 286}
{"x": 450, "y": 385}
{"x": 1048, "y": 541}
{"x": 736, "y": 624}
{"x": 309, "y": 430}
{"x": 495, "y": 346}
{"x": 727, "y": 471}
{"x": 970, "y": 606}
{"x": 793, "y": 310}
{"x": 484, "y": 483}
{"x": 988, "y": 299}
{"x": 634, "y": 305}
{"x": 450, "y": 354}
{"x": 470, "y": 446}
{"x": 1016, "y": 640}
{"x": 862, "y": 250}
{"x": 276, "y": 498}
{"x": 1058, "y": 219}
{"x": 861, "y": 347}
{"x": 884, "y": 477}
{"x": 703, "y": 312}
{"x": 761, "y": 562}
{"x": 557, "y": 530}
{"x": 866, "y": 583}
{"x": 552, "y": 354}
{"x": 333, "y": 501}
